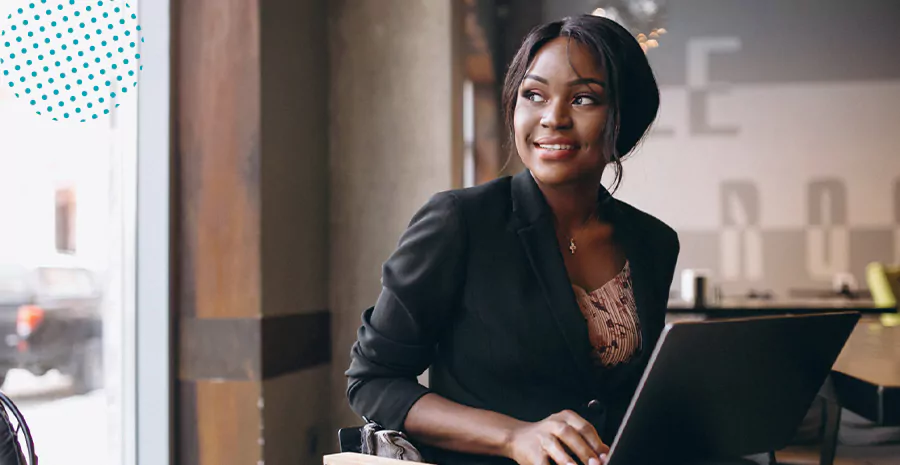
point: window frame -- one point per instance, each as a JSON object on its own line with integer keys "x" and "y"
{"x": 151, "y": 406}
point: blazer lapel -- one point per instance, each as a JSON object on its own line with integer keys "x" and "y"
{"x": 642, "y": 285}
{"x": 539, "y": 241}
{"x": 536, "y": 231}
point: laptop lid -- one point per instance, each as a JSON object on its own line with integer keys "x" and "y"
{"x": 729, "y": 388}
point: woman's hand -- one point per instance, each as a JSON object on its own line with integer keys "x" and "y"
{"x": 560, "y": 438}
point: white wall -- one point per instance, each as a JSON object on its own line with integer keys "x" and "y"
{"x": 776, "y": 154}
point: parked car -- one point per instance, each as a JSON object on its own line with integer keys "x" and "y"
{"x": 50, "y": 318}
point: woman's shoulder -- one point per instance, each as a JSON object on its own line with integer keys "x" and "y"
{"x": 498, "y": 188}
{"x": 654, "y": 230}
{"x": 492, "y": 196}
{"x": 473, "y": 209}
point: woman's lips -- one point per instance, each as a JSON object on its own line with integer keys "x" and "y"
{"x": 555, "y": 151}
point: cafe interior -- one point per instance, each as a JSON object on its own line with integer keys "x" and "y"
{"x": 297, "y": 139}
{"x": 773, "y": 157}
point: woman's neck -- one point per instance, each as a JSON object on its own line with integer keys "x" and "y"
{"x": 573, "y": 205}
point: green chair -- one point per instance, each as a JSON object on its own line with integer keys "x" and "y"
{"x": 884, "y": 283}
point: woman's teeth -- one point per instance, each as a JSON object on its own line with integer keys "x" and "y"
{"x": 556, "y": 147}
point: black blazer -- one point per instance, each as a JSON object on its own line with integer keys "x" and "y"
{"x": 478, "y": 291}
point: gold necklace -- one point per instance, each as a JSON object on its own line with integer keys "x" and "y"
{"x": 572, "y": 246}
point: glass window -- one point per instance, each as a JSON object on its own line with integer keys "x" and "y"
{"x": 13, "y": 282}
{"x": 65, "y": 282}
{"x": 67, "y": 228}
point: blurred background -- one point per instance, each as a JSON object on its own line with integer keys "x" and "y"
{"x": 181, "y": 281}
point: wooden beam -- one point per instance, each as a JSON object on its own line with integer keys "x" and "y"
{"x": 218, "y": 151}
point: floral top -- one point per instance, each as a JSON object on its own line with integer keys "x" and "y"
{"x": 611, "y": 314}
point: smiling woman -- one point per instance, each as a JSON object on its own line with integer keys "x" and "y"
{"x": 535, "y": 300}
{"x": 587, "y": 69}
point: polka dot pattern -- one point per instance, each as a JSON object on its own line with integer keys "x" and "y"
{"x": 71, "y": 59}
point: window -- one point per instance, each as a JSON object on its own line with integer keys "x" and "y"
{"x": 67, "y": 192}
{"x": 65, "y": 282}
{"x": 65, "y": 220}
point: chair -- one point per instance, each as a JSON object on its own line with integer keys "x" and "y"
{"x": 11, "y": 451}
{"x": 884, "y": 282}
{"x": 349, "y": 439}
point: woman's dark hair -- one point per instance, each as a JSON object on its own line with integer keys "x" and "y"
{"x": 631, "y": 88}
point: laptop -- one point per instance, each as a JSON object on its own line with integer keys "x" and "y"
{"x": 724, "y": 389}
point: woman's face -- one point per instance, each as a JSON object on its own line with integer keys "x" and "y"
{"x": 561, "y": 114}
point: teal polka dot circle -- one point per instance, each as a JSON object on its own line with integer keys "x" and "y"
{"x": 70, "y": 59}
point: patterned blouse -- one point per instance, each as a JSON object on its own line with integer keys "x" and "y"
{"x": 611, "y": 315}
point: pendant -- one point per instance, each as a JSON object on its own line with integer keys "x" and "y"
{"x": 572, "y": 245}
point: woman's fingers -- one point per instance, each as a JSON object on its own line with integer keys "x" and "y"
{"x": 556, "y": 452}
{"x": 575, "y": 442}
{"x": 586, "y": 430}
{"x": 564, "y": 438}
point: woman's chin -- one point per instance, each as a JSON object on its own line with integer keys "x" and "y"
{"x": 554, "y": 175}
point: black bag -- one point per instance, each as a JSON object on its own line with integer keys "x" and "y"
{"x": 387, "y": 443}
{"x": 373, "y": 439}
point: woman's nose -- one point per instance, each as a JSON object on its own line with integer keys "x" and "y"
{"x": 556, "y": 116}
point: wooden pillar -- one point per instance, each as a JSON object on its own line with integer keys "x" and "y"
{"x": 307, "y": 133}
{"x": 251, "y": 82}
{"x": 397, "y": 70}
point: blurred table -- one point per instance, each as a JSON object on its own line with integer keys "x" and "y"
{"x": 737, "y": 308}
{"x": 867, "y": 373}
{"x": 865, "y": 380}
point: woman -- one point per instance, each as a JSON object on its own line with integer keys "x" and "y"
{"x": 535, "y": 300}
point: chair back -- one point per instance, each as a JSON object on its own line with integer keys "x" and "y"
{"x": 12, "y": 425}
{"x": 349, "y": 439}
{"x": 884, "y": 282}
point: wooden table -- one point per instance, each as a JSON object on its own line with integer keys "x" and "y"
{"x": 865, "y": 380}
{"x": 870, "y": 366}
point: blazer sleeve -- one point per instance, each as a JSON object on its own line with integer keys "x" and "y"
{"x": 422, "y": 283}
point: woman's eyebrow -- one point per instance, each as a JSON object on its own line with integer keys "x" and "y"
{"x": 536, "y": 78}
{"x": 580, "y": 81}
{"x": 576, "y": 82}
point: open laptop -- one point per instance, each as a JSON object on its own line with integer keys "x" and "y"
{"x": 721, "y": 389}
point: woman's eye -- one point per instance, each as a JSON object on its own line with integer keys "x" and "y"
{"x": 585, "y": 100}
{"x": 533, "y": 96}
